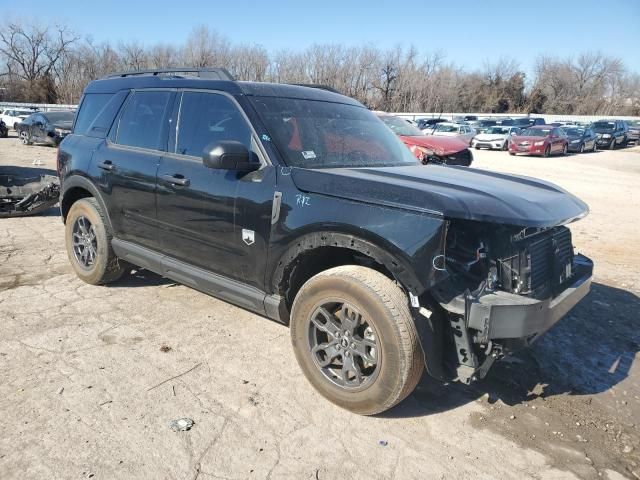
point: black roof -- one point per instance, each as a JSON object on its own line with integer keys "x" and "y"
{"x": 113, "y": 84}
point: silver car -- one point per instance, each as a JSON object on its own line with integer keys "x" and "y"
{"x": 463, "y": 132}
{"x": 496, "y": 137}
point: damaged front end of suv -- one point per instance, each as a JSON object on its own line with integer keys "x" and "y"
{"x": 507, "y": 285}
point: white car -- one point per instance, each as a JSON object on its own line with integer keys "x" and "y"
{"x": 12, "y": 116}
{"x": 497, "y": 137}
{"x": 446, "y": 129}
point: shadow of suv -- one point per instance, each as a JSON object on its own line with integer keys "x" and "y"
{"x": 299, "y": 204}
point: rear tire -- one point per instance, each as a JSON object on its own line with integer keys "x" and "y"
{"x": 339, "y": 296}
{"x": 89, "y": 244}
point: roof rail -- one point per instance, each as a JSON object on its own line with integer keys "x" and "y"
{"x": 318, "y": 86}
{"x": 210, "y": 73}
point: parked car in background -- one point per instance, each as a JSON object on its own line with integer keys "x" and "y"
{"x": 448, "y": 129}
{"x": 496, "y": 137}
{"x": 580, "y": 139}
{"x": 427, "y": 148}
{"x": 429, "y": 123}
{"x": 45, "y": 127}
{"x": 634, "y": 131}
{"x": 611, "y": 133}
{"x": 524, "y": 122}
{"x": 483, "y": 124}
{"x": 539, "y": 140}
{"x": 4, "y": 130}
{"x": 12, "y": 116}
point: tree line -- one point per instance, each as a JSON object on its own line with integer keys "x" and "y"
{"x": 52, "y": 64}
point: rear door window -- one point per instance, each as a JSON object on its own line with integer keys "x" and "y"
{"x": 143, "y": 122}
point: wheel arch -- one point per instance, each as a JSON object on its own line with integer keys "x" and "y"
{"x": 76, "y": 188}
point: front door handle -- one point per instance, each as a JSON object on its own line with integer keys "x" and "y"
{"x": 176, "y": 179}
{"x": 107, "y": 165}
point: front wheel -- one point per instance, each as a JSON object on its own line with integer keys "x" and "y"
{"x": 547, "y": 151}
{"x": 89, "y": 244}
{"x": 25, "y": 138}
{"x": 613, "y": 144}
{"x": 582, "y": 148}
{"x": 355, "y": 339}
{"x": 565, "y": 149}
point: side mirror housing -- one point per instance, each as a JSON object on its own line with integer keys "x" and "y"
{"x": 228, "y": 155}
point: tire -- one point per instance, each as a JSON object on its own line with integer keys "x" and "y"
{"x": 25, "y": 138}
{"x": 505, "y": 146}
{"x": 565, "y": 149}
{"x": 547, "y": 151}
{"x": 105, "y": 266}
{"x": 477, "y": 147}
{"x": 613, "y": 144}
{"x": 512, "y": 154}
{"x": 376, "y": 302}
{"x": 582, "y": 148}
{"x": 595, "y": 146}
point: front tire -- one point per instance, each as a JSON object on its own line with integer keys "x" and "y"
{"x": 547, "y": 151}
{"x": 565, "y": 149}
{"x": 355, "y": 339}
{"x": 582, "y": 148}
{"x": 613, "y": 144}
{"x": 25, "y": 138}
{"x": 89, "y": 244}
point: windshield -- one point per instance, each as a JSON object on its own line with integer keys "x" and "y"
{"x": 574, "y": 132}
{"x": 318, "y": 134}
{"x": 604, "y": 125}
{"x": 535, "y": 132}
{"x": 55, "y": 117}
{"x": 497, "y": 130}
{"x": 441, "y": 127}
{"x": 400, "y": 126}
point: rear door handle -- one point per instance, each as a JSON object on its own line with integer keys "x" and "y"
{"x": 176, "y": 179}
{"x": 107, "y": 165}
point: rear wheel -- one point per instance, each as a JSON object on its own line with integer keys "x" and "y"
{"x": 89, "y": 244}
{"x": 355, "y": 340}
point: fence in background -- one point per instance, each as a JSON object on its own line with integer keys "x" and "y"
{"x": 42, "y": 107}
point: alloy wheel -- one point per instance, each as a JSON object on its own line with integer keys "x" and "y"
{"x": 85, "y": 246}
{"x": 344, "y": 345}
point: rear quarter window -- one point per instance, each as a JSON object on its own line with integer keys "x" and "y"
{"x": 92, "y": 104}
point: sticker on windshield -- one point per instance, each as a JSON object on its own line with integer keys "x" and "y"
{"x": 308, "y": 154}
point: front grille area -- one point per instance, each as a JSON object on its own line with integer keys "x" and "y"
{"x": 538, "y": 265}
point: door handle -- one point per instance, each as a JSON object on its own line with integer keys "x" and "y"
{"x": 176, "y": 179}
{"x": 107, "y": 165}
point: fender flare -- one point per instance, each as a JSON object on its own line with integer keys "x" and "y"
{"x": 401, "y": 271}
{"x": 78, "y": 181}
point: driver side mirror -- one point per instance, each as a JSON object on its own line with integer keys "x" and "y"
{"x": 228, "y": 155}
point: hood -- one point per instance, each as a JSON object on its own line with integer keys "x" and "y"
{"x": 452, "y": 192}
{"x": 490, "y": 136}
{"x": 439, "y": 145}
{"x": 63, "y": 125}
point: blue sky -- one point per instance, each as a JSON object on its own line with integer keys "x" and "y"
{"x": 468, "y": 32}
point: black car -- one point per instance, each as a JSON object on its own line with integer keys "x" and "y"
{"x": 45, "y": 127}
{"x": 634, "y": 131}
{"x": 611, "y": 133}
{"x": 580, "y": 139}
{"x": 429, "y": 123}
{"x": 4, "y": 130}
{"x": 525, "y": 122}
{"x": 299, "y": 204}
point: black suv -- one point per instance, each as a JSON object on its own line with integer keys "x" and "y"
{"x": 299, "y": 204}
{"x": 611, "y": 133}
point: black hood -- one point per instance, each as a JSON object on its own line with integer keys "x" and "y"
{"x": 453, "y": 192}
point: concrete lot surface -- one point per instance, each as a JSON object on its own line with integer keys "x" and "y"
{"x": 91, "y": 377}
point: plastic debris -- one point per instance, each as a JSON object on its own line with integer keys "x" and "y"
{"x": 181, "y": 424}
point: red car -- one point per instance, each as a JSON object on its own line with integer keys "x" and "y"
{"x": 429, "y": 149}
{"x": 542, "y": 140}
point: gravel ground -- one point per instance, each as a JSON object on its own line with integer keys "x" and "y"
{"x": 91, "y": 377}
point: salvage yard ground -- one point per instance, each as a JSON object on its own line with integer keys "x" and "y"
{"x": 84, "y": 370}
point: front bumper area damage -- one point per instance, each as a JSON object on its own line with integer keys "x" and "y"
{"x": 489, "y": 325}
{"x": 27, "y": 191}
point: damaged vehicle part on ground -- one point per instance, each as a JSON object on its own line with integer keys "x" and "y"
{"x": 299, "y": 204}
{"x": 27, "y": 191}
